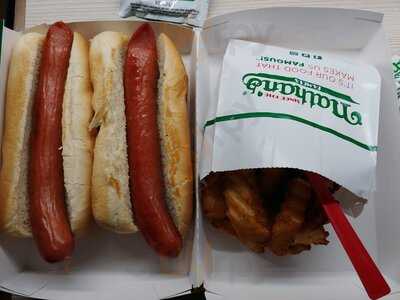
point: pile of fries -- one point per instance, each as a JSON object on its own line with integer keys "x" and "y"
{"x": 266, "y": 209}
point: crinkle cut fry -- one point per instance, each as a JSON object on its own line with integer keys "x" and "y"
{"x": 213, "y": 202}
{"x": 290, "y": 219}
{"x": 245, "y": 210}
{"x": 232, "y": 202}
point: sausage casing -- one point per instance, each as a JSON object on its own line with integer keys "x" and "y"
{"x": 48, "y": 214}
{"x": 144, "y": 151}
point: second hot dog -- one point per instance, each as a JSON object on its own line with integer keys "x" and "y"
{"x": 149, "y": 84}
{"x": 144, "y": 150}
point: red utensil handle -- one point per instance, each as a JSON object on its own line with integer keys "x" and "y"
{"x": 369, "y": 274}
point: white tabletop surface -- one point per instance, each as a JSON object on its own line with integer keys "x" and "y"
{"x": 33, "y": 12}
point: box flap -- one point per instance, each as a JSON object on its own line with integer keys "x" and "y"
{"x": 354, "y": 35}
{"x": 105, "y": 264}
{"x": 93, "y": 286}
{"x": 295, "y": 27}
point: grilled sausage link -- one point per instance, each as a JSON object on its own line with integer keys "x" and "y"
{"x": 48, "y": 215}
{"x": 144, "y": 151}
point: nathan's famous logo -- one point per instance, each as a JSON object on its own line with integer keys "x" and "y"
{"x": 310, "y": 93}
{"x": 396, "y": 69}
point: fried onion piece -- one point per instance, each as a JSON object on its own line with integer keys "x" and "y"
{"x": 245, "y": 210}
{"x": 290, "y": 219}
{"x": 214, "y": 207}
{"x": 271, "y": 180}
{"x": 213, "y": 201}
{"x": 313, "y": 232}
{"x": 224, "y": 225}
{"x": 315, "y": 215}
{"x": 312, "y": 236}
{"x": 307, "y": 237}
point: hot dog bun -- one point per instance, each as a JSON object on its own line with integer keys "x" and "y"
{"x": 111, "y": 202}
{"x": 77, "y": 142}
{"x": 111, "y": 199}
{"x": 21, "y": 84}
{"x": 174, "y": 133}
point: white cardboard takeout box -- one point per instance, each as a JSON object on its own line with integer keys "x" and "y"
{"x": 106, "y": 265}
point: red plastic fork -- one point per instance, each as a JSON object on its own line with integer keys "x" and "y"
{"x": 369, "y": 274}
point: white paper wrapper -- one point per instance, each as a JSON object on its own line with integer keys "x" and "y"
{"x": 279, "y": 107}
{"x": 191, "y": 12}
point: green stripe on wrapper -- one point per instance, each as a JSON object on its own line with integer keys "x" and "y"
{"x": 253, "y": 115}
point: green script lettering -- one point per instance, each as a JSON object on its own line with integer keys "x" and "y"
{"x": 310, "y": 94}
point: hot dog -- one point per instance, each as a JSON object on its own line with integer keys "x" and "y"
{"x": 144, "y": 150}
{"x": 47, "y": 147}
{"x": 48, "y": 213}
{"x": 140, "y": 91}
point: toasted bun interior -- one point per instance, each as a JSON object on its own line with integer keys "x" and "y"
{"x": 111, "y": 202}
{"x": 21, "y": 86}
{"x": 77, "y": 141}
{"x": 173, "y": 121}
